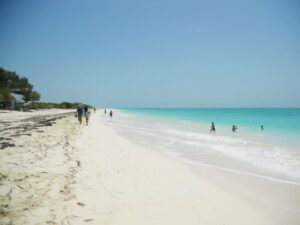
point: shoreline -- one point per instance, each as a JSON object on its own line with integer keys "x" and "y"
{"x": 256, "y": 155}
{"x": 146, "y": 187}
{"x": 269, "y": 178}
{"x": 72, "y": 174}
{"x": 272, "y": 194}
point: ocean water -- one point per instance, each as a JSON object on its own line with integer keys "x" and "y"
{"x": 284, "y": 122}
{"x": 272, "y": 153}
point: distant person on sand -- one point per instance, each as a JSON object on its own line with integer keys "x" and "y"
{"x": 94, "y": 110}
{"x": 262, "y": 127}
{"x": 86, "y": 115}
{"x": 104, "y": 111}
{"x": 212, "y": 128}
{"x": 234, "y": 128}
{"x": 111, "y": 113}
{"x": 79, "y": 114}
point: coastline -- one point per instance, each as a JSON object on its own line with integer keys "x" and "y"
{"x": 277, "y": 197}
{"x": 140, "y": 186}
{"x": 255, "y": 152}
{"x": 71, "y": 174}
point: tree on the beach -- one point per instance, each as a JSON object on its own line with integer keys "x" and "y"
{"x": 35, "y": 96}
{"x": 10, "y": 83}
{"x": 26, "y": 96}
{"x": 17, "y": 84}
{"x": 6, "y": 97}
{"x": 22, "y": 86}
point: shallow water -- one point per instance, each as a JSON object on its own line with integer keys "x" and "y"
{"x": 273, "y": 153}
{"x": 277, "y": 122}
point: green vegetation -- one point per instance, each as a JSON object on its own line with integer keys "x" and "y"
{"x": 63, "y": 105}
{"x": 11, "y": 83}
{"x": 5, "y": 95}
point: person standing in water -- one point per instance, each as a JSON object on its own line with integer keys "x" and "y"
{"x": 111, "y": 113}
{"x": 262, "y": 127}
{"x": 234, "y": 128}
{"x": 212, "y": 128}
{"x": 86, "y": 115}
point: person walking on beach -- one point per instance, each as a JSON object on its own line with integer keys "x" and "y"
{"x": 94, "y": 110}
{"x": 86, "y": 115}
{"x": 212, "y": 128}
{"x": 79, "y": 114}
{"x": 111, "y": 113}
{"x": 234, "y": 128}
{"x": 104, "y": 111}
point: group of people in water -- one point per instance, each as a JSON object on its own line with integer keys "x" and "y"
{"x": 234, "y": 127}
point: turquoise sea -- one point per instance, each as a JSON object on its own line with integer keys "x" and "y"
{"x": 279, "y": 123}
{"x": 273, "y": 153}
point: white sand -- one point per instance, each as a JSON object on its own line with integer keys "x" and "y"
{"x": 71, "y": 174}
{"x": 36, "y": 174}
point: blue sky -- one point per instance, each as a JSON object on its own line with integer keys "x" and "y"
{"x": 159, "y": 53}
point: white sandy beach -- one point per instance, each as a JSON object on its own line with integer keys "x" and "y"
{"x": 64, "y": 173}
